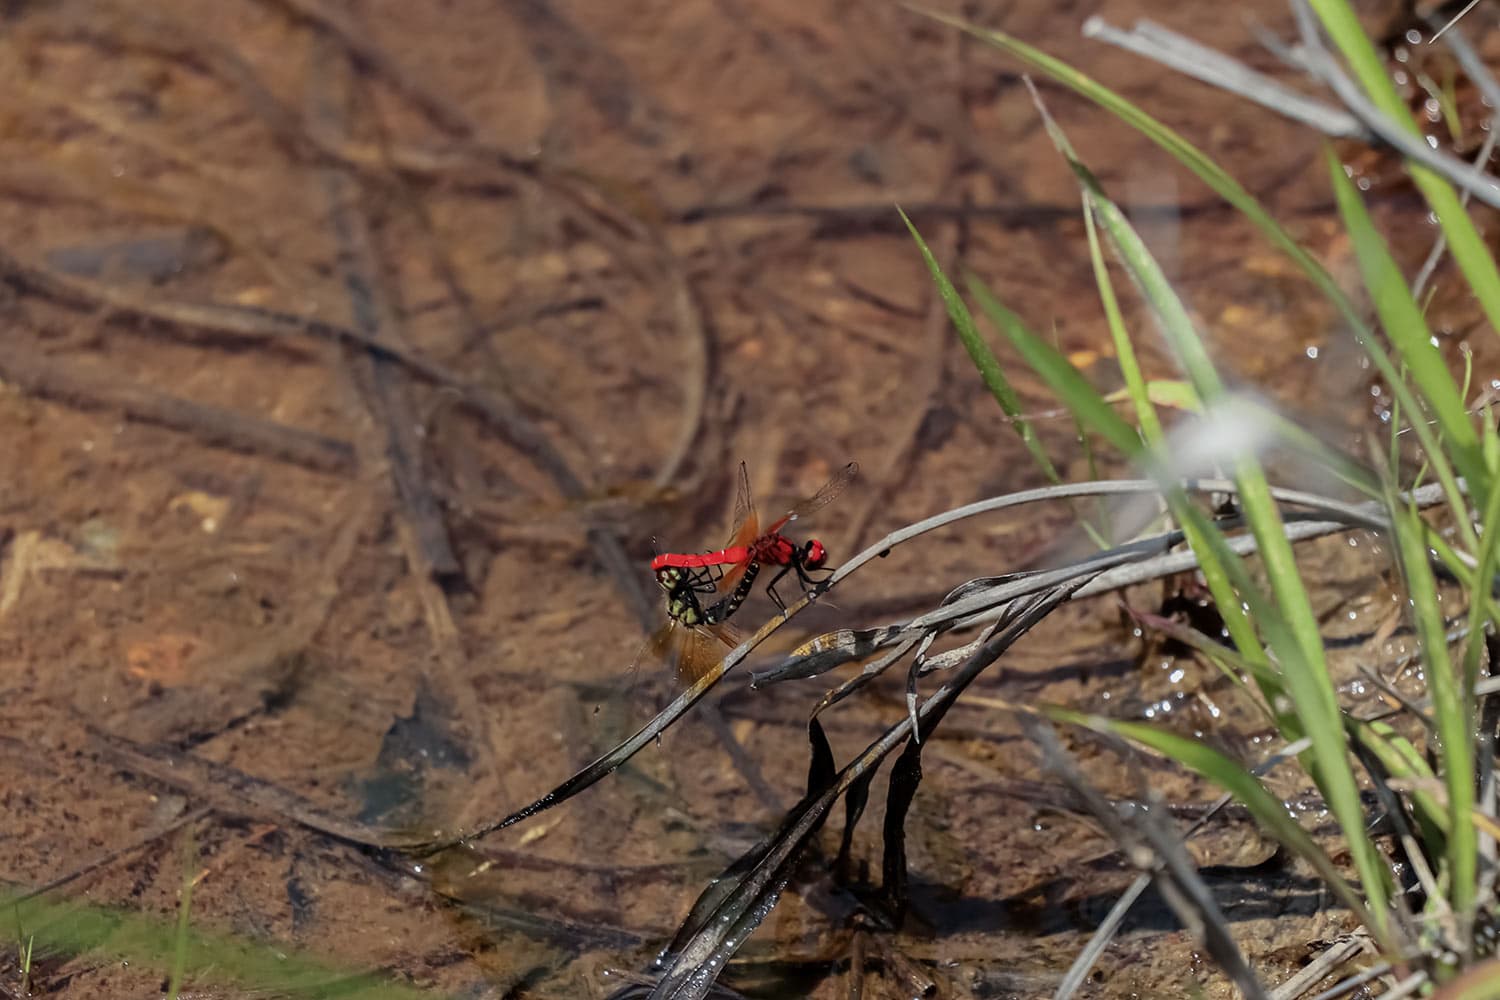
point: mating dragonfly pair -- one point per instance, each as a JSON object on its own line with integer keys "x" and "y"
{"x": 704, "y": 589}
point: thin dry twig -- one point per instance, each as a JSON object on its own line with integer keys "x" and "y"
{"x": 268, "y": 325}
{"x": 1316, "y": 970}
{"x": 74, "y": 385}
{"x": 1159, "y": 852}
{"x": 376, "y": 317}
{"x": 186, "y": 818}
{"x": 1453, "y": 21}
{"x": 350, "y": 36}
{"x": 234, "y": 792}
{"x": 430, "y": 556}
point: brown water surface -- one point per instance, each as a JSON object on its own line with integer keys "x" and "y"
{"x": 659, "y": 237}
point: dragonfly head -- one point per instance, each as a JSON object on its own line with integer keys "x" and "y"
{"x": 813, "y": 554}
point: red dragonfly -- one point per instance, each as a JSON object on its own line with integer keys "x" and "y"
{"x": 704, "y": 589}
{"x": 748, "y": 551}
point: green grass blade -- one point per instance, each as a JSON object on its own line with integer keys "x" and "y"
{"x": 1228, "y": 662}
{"x": 1166, "y": 305}
{"x": 1130, "y": 368}
{"x": 184, "y": 911}
{"x": 1452, "y": 710}
{"x": 1464, "y": 241}
{"x": 983, "y": 358}
{"x": 1402, "y": 760}
{"x": 1216, "y": 178}
{"x": 1482, "y": 605}
{"x": 1060, "y": 375}
{"x": 1305, "y": 669}
{"x": 1268, "y": 810}
{"x": 1482, "y": 982}
{"x": 260, "y": 968}
{"x": 1306, "y": 706}
{"x": 1407, "y": 328}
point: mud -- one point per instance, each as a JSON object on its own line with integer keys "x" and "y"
{"x": 603, "y": 253}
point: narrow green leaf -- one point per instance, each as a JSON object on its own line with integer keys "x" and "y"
{"x": 1267, "y": 809}
{"x": 1403, "y": 760}
{"x": 1464, "y": 241}
{"x": 983, "y": 358}
{"x": 1482, "y": 604}
{"x": 1220, "y": 182}
{"x": 1452, "y": 711}
{"x": 1130, "y": 369}
{"x": 1482, "y": 982}
{"x": 1166, "y": 305}
{"x": 1300, "y": 649}
{"x": 1065, "y": 380}
{"x": 1407, "y": 329}
{"x": 258, "y": 968}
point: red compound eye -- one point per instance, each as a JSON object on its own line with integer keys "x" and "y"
{"x": 815, "y": 556}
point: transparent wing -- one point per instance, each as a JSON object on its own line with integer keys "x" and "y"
{"x": 820, "y": 499}
{"x": 704, "y": 648}
{"x": 744, "y": 509}
{"x": 746, "y": 529}
{"x": 662, "y": 648}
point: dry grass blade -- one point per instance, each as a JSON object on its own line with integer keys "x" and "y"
{"x": 1157, "y": 850}
{"x": 1162, "y": 45}
{"x": 703, "y": 955}
{"x": 1331, "y": 958}
{"x": 622, "y": 752}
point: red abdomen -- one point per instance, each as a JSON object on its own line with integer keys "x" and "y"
{"x": 693, "y": 560}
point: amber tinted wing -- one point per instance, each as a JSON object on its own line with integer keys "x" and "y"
{"x": 704, "y": 648}
{"x": 746, "y": 528}
{"x": 665, "y": 647}
{"x": 820, "y": 499}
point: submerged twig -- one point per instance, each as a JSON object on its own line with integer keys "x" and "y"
{"x": 185, "y": 818}
{"x": 236, "y": 792}
{"x": 214, "y": 425}
{"x": 375, "y": 317}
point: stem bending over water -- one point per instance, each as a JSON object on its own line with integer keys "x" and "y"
{"x": 1339, "y": 516}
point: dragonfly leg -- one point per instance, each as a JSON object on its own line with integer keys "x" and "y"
{"x": 810, "y": 584}
{"x": 771, "y": 587}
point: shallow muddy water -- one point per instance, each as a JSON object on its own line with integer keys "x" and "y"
{"x": 267, "y": 596}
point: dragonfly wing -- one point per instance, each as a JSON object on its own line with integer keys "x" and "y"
{"x": 747, "y": 529}
{"x": 820, "y": 499}
{"x": 703, "y": 649}
{"x": 727, "y": 633}
{"x": 663, "y": 648}
{"x": 744, "y": 508}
